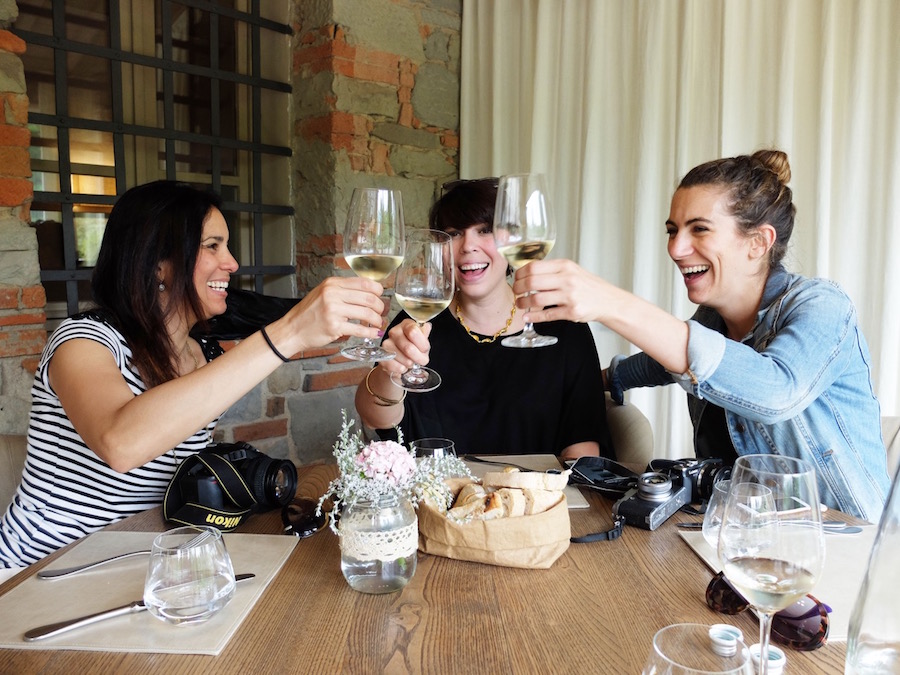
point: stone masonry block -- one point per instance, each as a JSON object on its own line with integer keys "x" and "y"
{"x": 411, "y": 162}
{"x": 366, "y": 98}
{"x": 436, "y": 96}
{"x": 12, "y": 73}
{"x": 385, "y": 26}
{"x": 395, "y": 133}
{"x": 316, "y": 422}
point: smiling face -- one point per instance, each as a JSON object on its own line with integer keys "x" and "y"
{"x": 214, "y": 265}
{"x": 723, "y": 267}
{"x": 480, "y": 269}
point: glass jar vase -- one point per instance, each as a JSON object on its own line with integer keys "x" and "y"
{"x": 379, "y": 540}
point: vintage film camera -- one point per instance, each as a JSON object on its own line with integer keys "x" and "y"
{"x": 273, "y": 482}
{"x": 666, "y": 486}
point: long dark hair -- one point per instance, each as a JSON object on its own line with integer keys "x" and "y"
{"x": 151, "y": 223}
{"x": 757, "y": 190}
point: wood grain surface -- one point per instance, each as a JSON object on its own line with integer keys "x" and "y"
{"x": 595, "y": 611}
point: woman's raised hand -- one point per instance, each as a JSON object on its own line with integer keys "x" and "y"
{"x": 410, "y": 343}
{"x": 565, "y": 289}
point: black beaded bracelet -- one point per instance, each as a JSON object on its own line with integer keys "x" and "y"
{"x": 272, "y": 346}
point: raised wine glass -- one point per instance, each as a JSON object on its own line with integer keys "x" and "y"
{"x": 424, "y": 288}
{"x": 771, "y": 544}
{"x": 524, "y": 231}
{"x": 373, "y": 248}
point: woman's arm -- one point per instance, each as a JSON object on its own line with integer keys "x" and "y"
{"x": 127, "y": 431}
{"x": 569, "y": 292}
{"x": 583, "y": 449}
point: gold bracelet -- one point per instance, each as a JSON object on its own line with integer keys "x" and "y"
{"x": 382, "y": 401}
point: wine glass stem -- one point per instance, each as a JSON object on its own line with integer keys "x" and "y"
{"x": 765, "y": 630}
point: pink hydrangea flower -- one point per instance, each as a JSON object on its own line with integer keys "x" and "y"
{"x": 386, "y": 461}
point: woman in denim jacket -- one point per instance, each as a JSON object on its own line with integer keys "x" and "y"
{"x": 772, "y": 362}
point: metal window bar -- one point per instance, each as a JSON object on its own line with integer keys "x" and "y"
{"x": 63, "y": 123}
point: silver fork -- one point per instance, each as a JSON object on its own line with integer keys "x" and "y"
{"x": 65, "y": 571}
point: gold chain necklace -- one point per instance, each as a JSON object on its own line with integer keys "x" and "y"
{"x": 481, "y": 340}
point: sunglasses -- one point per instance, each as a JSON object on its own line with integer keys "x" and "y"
{"x": 300, "y": 518}
{"x": 449, "y": 185}
{"x": 802, "y": 626}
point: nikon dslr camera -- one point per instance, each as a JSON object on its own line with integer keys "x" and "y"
{"x": 273, "y": 482}
{"x": 666, "y": 486}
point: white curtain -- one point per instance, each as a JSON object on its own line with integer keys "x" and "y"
{"x": 616, "y": 100}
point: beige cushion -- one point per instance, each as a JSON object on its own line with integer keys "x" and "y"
{"x": 12, "y": 461}
{"x": 890, "y": 429}
{"x": 632, "y": 435}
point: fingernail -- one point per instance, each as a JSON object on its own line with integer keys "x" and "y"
{"x": 381, "y": 333}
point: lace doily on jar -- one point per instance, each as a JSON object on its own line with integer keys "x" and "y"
{"x": 381, "y": 545}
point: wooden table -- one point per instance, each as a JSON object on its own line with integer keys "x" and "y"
{"x": 595, "y": 611}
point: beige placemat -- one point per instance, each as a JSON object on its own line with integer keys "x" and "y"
{"x": 574, "y": 498}
{"x": 36, "y": 602}
{"x": 846, "y": 557}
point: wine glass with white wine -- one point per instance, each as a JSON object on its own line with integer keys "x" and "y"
{"x": 771, "y": 544}
{"x": 373, "y": 248}
{"x": 424, "y": 288}
{"x": 524, "y": 231}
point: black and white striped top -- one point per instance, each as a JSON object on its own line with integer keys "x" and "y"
{"x": 67, "y": 491}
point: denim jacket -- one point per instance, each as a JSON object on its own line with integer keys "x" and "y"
{"x": 798, "y": 384}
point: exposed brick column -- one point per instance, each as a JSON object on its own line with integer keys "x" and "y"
{"x": 22, "y": 298}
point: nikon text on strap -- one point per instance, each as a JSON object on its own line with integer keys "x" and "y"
{"x": 177, "y": 509}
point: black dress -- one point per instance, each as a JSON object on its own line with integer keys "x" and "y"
{"x": 502, "y": 400}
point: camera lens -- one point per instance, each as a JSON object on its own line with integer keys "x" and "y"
{"x": 654, "y": 486}
{"x": 272, "y": 481}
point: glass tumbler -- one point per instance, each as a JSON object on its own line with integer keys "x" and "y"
{"x": 190, "y": 576}
{"x": 688, "y": 649}
{"x": 712, "y": 519}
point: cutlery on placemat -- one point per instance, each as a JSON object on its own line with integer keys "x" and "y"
{"x": 64, "y": 571}
{"x": 53, "y": 629}
{"x": 829, "y": 527}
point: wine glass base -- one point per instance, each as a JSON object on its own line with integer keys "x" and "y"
{"x": 529, "y": 341}
{"x": 363, "y": 353}
{"x": 425, "y": 379}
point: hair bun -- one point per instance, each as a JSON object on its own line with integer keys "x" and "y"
{"x": 775, "y": 161}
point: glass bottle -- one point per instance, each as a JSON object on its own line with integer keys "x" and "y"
{"x": 379, "y": 541}
{"x": 873, "y": 642}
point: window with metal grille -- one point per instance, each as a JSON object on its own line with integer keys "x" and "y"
{"x": 127, "y": 92}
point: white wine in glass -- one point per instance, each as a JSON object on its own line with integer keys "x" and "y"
{"x": 424, "y": 288}
{"x": 771, "y": 544}
{"x": 524, "y": 231}
{"x": 373, "y": 248}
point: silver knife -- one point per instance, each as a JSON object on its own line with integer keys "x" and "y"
{"x": 54, "y": 629}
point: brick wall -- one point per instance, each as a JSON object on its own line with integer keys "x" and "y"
{"x": 376, "y": 102}
{"x": 22, "y": 300}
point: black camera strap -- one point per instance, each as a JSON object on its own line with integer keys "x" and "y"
{"x": 609, "y": 535}
{"x": 233, "y": 486}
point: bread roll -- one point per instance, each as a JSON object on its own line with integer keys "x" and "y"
{"x": 473, "y": 509}
{"x": 538, "y": 501}
{"x": 493, "y": 507}
{"x": 534, "y": 480}
{"x": 470, "y": 492}
{"x": 513, "y": 500}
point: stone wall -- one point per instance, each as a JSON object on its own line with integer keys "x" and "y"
{"x": 375, "y": 103}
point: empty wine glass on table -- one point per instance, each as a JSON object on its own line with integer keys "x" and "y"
{"x": 712, "y": 518}
{"x": 524, "y": 231}
{"x": 771, "y": 543}
{"x": 424, "y": 288}
{"x": 687, "y": 649}
{"x": 373, "y": 248}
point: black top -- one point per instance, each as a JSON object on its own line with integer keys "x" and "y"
{"x": 506, "y": 401}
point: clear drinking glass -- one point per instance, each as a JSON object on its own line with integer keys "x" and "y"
{"x": 712, "y": 519}
{"x": 433, "y": 447}
{"x": 687, "y": 649}
{"x": 771, "y": 544}
{"x": 524, "y": 230}
{"x": 190, "y": 576}
{"x": 373, "y": 248}
{"x": 424, "y": 288}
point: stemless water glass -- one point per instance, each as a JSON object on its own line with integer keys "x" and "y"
{"x": 524, "y": 231}
{"x": 190, "y": 576}
{"x": 424, "y": 288}
{"x": 433, "y": 447}
{"x": 373, "y": 248}
{"x": 771, "y": 544}
{"x": 687, "y": 649}
{"x": 712, "y": 519}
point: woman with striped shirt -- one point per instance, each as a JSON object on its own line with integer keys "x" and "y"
{"x": 122, "y": 393}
